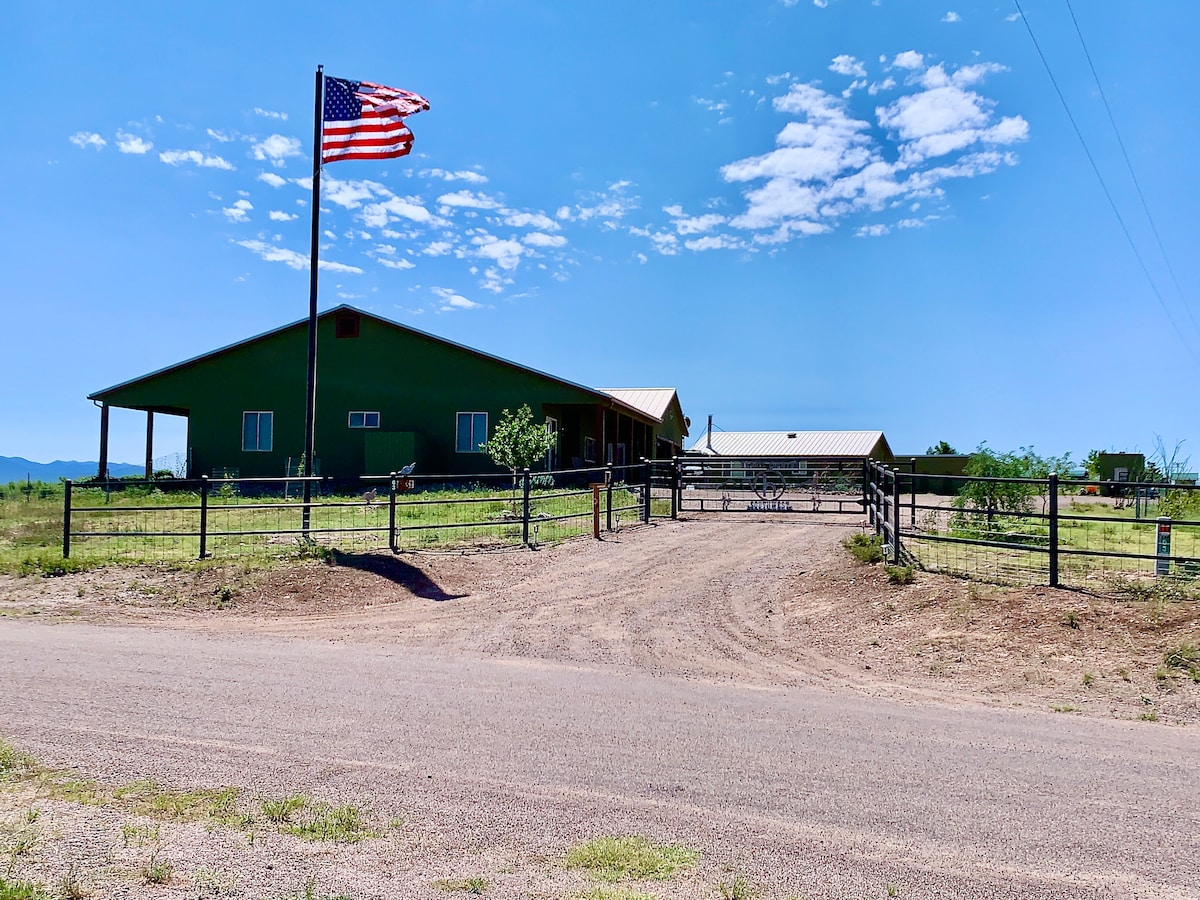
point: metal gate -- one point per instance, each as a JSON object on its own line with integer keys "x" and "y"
{"x": 770, "y": 485}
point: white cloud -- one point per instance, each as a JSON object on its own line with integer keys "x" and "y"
{"x": 437, "y": 248}
{"x": 886, "y": 85}
{"x": 272, "y": 179}
{"x": 452, "y": 300}
{"x": 607, "y": 205}
{"x": 277, "y": 148}
{"x": 911, "y": 223}
{"x": 278, "y": 215}
{"x": 1013, "y": 17}
{"x": 266, "y": 113}
{"x": 131, "y": 143}
{"x": 563, "y": 212}
{"x": 909, "y": 59}
{"x": 540, "y": 239}
{"x": 820, "y": 4}
{"x": 715, "y": 242}
{"x": 845, "y": 64}
{"x": 504, "y": 253}
{"x": 828, "y": 164}
{"x": 85, "y": 139}
{"x": 692, "y": 224}
{"x": 944, "y": 118}
{"x": 872, "y": 231}
{"x": 219, "y": 136}
{"x": 540, "y": 221}
{"x": 196, "y": 158}
{"x": 395, "y": 263}
{"x": 292, "y": 259}
{"x": 951, "y": 16}
{"x": 717, "y": 106}
{"x": 468, "y": 200}
{"x": 239, "y": 212}
{"x": 466, "y": 175}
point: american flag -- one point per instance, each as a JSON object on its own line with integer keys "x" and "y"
{"x": 366, "y": 121}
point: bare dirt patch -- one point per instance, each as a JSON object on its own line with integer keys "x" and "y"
{"x": 768, "y": 603}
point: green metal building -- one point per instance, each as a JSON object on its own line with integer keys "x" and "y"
{"x": 387, "y": 395}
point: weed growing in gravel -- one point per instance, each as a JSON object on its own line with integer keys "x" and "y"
{"x": 337, "y": 824}
{"x": 280, "y": 812}
{"x": 13, "y": 763}
{"x": 866, "y": 548}
{"x": 21, "y": 890}
{"x": 1149, "y": 716}
{"x": 630, "y": 857}
{"x": 146, "y": 798}
{"x": 1065, "y": 708}
{"x": 899, "y": 574}
{"x": 615, "y": 893}
{"x": 156, "y": 871}
{"x": 61, "y": 786}
{"x": 310, "y": 893}
{"x": 1088, "y": 679}
{"x": 1186, "y": 657}
{"x": 69, "y": 886}
{"x": 136, "y": 835}
{"x": 210, "y": 883}
{"x": 1071, "y": 620}
{"x": 737, "y": 889}
{"x": 474, "y": 885}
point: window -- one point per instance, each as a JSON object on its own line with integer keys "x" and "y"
{"x": 470, "y": 430}
{"x": 364, "y": 420}
{"x": 256, "y": 431}
{"x": 345, "y": 326}
{"x": 589, "y": 449}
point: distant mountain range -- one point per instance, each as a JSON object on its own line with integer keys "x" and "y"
{"x": 16, "y": 468}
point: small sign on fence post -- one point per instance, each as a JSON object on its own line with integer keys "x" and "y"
{"x": 1162, "y": 549}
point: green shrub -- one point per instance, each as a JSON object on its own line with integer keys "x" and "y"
{"x": 899, "y": 574}
{"x": 865, "y": 548}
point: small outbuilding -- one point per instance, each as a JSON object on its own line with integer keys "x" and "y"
{"x": 387, "y": 395}
{"x": 824, "y": 446}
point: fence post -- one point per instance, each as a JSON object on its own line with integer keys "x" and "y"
{"x": 676, "y": 486}
{"x": 1053, "y": 529}
{"x": 203, "y": 516}
{"x": 392, "y": 513}
{"x": 525, "y": 510}
{"x": 608, "y": 484}
{"x": 646, "y": 491}
{"x": 67, "y": 519}
{"x": 912, "y": 498}
{"x": 596, "y": 510}
{"x": 896, "y": 516}
{"x": 866, "y": 485}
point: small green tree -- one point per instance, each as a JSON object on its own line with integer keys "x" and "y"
{"x": 1091, "y": 464}
{"x": 941, "y": 448}
{"x": 518, "y": 442}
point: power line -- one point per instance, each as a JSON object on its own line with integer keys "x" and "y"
{"x": 1129, "y": 164}
{"x": 1104, "y": 186}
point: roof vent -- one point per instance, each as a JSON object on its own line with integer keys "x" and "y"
{"x": 346, "y": 325}
{"x": 791, "y": 434}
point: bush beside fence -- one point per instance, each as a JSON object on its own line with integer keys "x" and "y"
{"x": 1046, "y": 531}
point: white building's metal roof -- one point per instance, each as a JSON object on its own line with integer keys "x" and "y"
{"x": 654, "y": 402}
{"x": 816, "y": 444}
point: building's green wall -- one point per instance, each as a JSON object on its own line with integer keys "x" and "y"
{"x": 416, "y": 383}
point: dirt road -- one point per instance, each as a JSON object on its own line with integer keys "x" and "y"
{"x": 508, "y": 707}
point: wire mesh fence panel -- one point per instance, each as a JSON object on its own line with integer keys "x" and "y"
{"x": 1090, "y": 535}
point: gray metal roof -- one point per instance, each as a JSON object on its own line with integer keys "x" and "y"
{"x": 654, "y": 402}
{"x": 815, "y": 444}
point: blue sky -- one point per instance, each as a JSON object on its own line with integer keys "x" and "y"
{"x": 831, "y": 214}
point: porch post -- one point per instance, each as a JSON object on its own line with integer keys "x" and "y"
{"x": 102, "y": 473}
{"x": 149, "y": 444}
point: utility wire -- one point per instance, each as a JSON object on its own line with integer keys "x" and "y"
{"x": 1104, "y": 186}
{"x": 1129, "y": 164}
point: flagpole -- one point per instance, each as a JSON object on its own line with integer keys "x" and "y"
{"x": 310, "y": 399}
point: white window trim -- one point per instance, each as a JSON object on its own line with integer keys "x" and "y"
{"x": 364, "y": 413}
{"x": 472, "y": 414}
{"x": 258, "y": 431}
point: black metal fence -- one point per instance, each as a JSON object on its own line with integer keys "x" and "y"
{"x": 1039, "y": 531}
{"x": 217, "y": 517}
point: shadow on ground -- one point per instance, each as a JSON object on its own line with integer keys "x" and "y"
{"x": 397, "y": 571}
